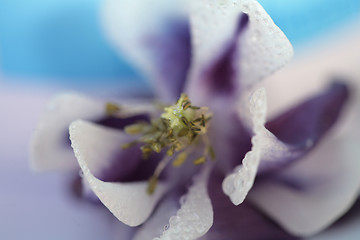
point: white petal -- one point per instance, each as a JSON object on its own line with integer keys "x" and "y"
{"x": 49, "y": 147}
{"x": 195, "y": 217}
{"x": 329, "y": 177}
{"x": 238, "y": 184}
{"x": 263, "y": 48}
{"x": 129, "y": 202}
{"x": 128, "y": 23}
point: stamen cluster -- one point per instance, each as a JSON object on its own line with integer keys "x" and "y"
{"x": 179, "y": 127}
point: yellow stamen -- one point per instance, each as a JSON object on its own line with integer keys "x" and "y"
{"x": 183, "y": 132}
{"x": 211, "y": 152}
{"x": 112, "y": 108}
{"x": 153, "y": 181}
{"x": 171, "y": 150}
{"x": 134, "y": 129}
{"x": 180, "y": 126}
{"x": 156, "y": 147}
{"x": 146, "y": 151}
{"x": 128, "y": 145}
{"x": 180, "y": 159}
{"x": 199, "y": 160}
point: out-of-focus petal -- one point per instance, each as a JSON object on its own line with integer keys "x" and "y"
{"x": 195, "y": 216}
{"x": 262, "y": 48}
{"x": 129, "y": 202}
{"x": 302, "y": 127}
{"x": 310, "y": 120}
{"x": 156, "y": 37}
{"x": 237, "y": 184}
{"x": 239, "y": 222}
{"x": 50, "y": 146}
{"x": 311, "y": 194}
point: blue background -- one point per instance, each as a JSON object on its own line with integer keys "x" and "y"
{"x": 62, "y": 39}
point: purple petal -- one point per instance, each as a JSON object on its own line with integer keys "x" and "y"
{"x": 239, "y": 222}
{"x": 302, "y": 127}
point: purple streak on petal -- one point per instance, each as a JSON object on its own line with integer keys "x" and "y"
{"x": 310, "y": 120}
{"x": 304, "y": 125}
{"x": 129, "y": 166}
{"x": 220, "y": 76}
{"x": 120, "y": 123}
{"x": 239, "y": 222}
{"x": 171, "y": 52}
{"x": 123, "y": 163}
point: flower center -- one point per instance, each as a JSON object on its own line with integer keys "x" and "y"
{"x": 179, "y": 129}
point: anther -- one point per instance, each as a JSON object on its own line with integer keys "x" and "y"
{"x": 146, "y": 151}
{"x": 193, "y": 136}
{"x": 171, "y": 151}
{"x": 183, "y": 132}
{"x": 134, "y": 129}
{"x": 195, "y": 128}
{"x": 156, "y": 147}
{"x": 199, "y": 160}
{"x": 186, "y": 105}
{"x": 128, "y": 145}
{"x": 111, "y": 108}
{"x": 180, "y": 159}
{"x": 185, "y": 121}
{"x": 202, "y": 120}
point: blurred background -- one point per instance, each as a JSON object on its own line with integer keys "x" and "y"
{"x": 61, "y": 42}
{"x": 48, "y": 46}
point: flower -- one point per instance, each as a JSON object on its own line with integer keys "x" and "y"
{"x": 233, "y": 45}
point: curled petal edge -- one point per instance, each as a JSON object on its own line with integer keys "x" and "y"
{"x": 129, "y": 202}
{"x": 195, "y": 216}
{"x": 238, "y": 184}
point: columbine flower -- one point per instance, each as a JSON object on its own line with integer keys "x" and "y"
{"x": 209, "y": 140}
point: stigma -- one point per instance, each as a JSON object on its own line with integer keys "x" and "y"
{"x": 180, "y": 128}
